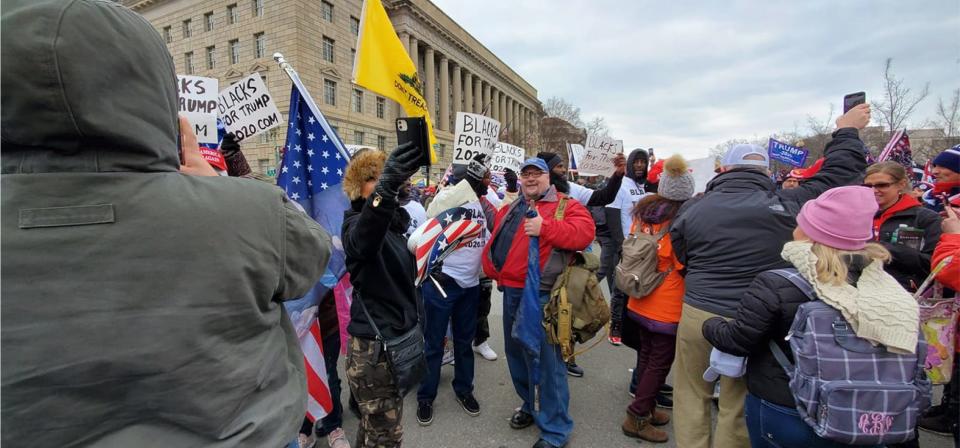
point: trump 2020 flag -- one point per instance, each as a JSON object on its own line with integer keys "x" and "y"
{"x": 314, "y": 161}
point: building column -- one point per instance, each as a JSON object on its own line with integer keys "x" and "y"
{"x": 502, "y": 97}
{"x": 477, "y": 95}
{"x": 431, "y": 85}
{"x": 413, "y": 49}
{"x": 467, "y": 91}
{"x": 495, "y": 113}
{"x": 457, "y": 92}
{"x": 515, "y": 119}
{"x": 512, "y": 118}
{"x": 444, "y": 93}
{"x": 486, "y": 101}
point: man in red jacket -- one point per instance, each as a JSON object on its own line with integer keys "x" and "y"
{"x": 560, "y": 228}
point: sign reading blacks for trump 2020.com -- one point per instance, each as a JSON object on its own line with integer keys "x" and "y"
{"x": 197, "y": 101}
{"x": 475, "y": 134}
{"x": 506, "y": 156}
{"x": 247, "y": 109}
{"x": 598, "y": 155}
{"x": 789, "y": 154}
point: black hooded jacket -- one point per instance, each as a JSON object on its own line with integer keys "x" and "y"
{"x": 613, "y": 215}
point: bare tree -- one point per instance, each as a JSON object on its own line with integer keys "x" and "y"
{"x": 948, "y": 115}
{"x": 561, "y": 108}
{"x": 598, "y": 126}
{"x": 818, "y": 126}
{"x": 898, "y": 100}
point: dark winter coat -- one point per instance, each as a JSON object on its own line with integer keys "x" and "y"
{"x": 737, "y": 229}
{"x": 382, "y": 269}
{"x": 765, "y": 313}
{"x": 910, "y": 266}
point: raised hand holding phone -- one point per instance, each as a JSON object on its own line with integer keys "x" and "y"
{"x": 193, "y": 162}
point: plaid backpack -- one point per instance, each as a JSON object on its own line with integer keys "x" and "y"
{"x": 847, "y": 389}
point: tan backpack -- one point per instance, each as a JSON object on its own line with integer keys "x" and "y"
{"x": 637, "y": 274}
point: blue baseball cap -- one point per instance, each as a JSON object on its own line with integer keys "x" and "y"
{"x": 535, "y": 161}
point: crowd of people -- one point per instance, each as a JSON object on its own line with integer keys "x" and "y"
{"x": 143, "y": 294}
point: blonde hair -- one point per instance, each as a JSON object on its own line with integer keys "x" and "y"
{"x": 893, "y": 169}
{"x": 833, "y": 265}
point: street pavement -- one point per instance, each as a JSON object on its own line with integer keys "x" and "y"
{"x": 598, "y": 403}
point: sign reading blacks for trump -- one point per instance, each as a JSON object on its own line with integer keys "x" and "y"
{"x": 247, "y": 109}
{"x": 789, "y": 154}
{"x": 475, "y": 134}
{"x": 598, "y": 155}
{"x": 506, "y": 156}
{"x": 197, "y": 101}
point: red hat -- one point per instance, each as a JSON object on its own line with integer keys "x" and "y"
{"x": 813, "y": 169}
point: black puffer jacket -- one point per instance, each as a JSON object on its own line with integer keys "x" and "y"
{"x": 738, "y": 228}
{"x": 765, "y": 313}
{"x": 910, "y": 266}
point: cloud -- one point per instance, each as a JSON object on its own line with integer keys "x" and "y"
{"x": 685, "y": 76}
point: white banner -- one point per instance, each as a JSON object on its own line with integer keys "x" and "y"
{"x": 197, "y": 101}
{"x": 506, "y": 156}
{"x": 247, "y": 109}
{"x": 598, "y": 155}
{"x": 475, "y": 134}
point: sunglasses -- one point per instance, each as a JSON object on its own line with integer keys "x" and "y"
{"x": 879, "y": 185}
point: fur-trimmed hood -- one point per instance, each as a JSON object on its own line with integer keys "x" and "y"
{"x": 364, "y": 166}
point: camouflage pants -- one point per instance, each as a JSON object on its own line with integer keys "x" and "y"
{"x": 372, "y": 385}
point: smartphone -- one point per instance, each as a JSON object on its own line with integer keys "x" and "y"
{"x": 910, "y": 237}
{"x": 414, "y": 129}
{"x": 853, "y": 100}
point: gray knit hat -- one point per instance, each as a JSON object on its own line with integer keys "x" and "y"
{"x": 676, "y": 182}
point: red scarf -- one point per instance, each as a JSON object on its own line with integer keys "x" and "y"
{"x": 905, "y": 202}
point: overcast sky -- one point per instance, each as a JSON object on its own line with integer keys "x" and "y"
{"x": 684, "y": 76}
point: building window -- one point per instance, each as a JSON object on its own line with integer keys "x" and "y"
{"x": 186, "y": 28}
{"x": 211, "y": 58}
{"x": 257, "y": 8}
{"x": 233, "y": 14}
{"x": 260, "y": 49}
{"x": 269, "y": 136}
{"x": 330, "y": 92}
{"x": 358, "y": 101}
{"x": 381, "y": 143}
{"x": 440, "y": 149}
{"x": 381, "y": 107}
{"x": 235, "y": 51}
{"x": 208, "y": 21}
{"x": 188, "y": 62}
{"x": 167, "y": 35}
{"x": 328, "y": 48}
{"x": 326, "y": 11}
{"x": 357, "y": 137}
{"x": 355, "y": 25}
{"x": 264, "y": 165}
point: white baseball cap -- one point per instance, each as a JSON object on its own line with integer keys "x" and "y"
{"x": 722, "y": 363}
{"x": 738, "y": 153}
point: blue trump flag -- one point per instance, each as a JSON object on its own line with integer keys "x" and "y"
{"x": 528, "y": 328}
{"x": 789, "y": 154}
{"x": 311, "y": 174}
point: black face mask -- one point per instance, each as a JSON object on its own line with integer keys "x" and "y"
{"x": 562, "y": 184}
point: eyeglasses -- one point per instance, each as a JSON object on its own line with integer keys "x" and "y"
{"x": 879, "y": 185}
{"x": 532, "y": 173}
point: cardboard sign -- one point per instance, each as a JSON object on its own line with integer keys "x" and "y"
{"x": 789, "y": 154}
{"x": 598, "y": 155}
{"x": 197, "y": 101}
{"x": 506, "y": 156}
{"x": 475, "y": 134}
{"x": 247, "y": 109}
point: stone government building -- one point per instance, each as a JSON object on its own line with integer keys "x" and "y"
{"x": 229, "y": 39}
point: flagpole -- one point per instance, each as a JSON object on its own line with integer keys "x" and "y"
{"x": 295, "y": 78}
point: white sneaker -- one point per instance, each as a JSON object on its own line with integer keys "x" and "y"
{"x": 337, "y": 439}
{"x": 447, "y": 357}
{"x": 484, "y": 350}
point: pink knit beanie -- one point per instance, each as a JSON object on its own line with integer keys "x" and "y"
{"x": 841, "y": 218}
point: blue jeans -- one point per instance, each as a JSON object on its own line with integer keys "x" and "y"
{"x": 773, "y": 426}
{"x": 331, "y": 354}
{"x": 461, "y": 306}
{"x": 553, "y": 419}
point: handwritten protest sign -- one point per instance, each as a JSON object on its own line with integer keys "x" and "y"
{"x": 475, "y": 134}
{"x": 506, "y": 156}
{"x": 247, "y": 109}
{"x": 789, "y": 154}
{"x": 598, "y": 155}
{"x": 197, "y": 101}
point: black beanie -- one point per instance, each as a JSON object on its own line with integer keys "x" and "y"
{"x": 551, "y": 158}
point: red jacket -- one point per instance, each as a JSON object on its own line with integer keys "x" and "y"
{"x": 949, "y": 245}
{"x": 574, "y": 232}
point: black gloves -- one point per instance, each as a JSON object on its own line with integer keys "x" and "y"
{"x": 476, "y": 171}
{"x": 229, "y": 146}
{"x": 402, "y": 163}
{"x": 511, "y": 177}
{"x": 237, "y": 165}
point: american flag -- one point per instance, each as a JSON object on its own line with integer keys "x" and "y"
{"x": 314, "y": 161}
{"x": 898, "y": 150}
{"x": 440, "y": 236}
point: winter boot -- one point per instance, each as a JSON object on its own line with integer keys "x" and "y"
{"x": 642, "y": 428}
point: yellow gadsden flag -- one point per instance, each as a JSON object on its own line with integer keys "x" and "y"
{"x": 383, "y": 66}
